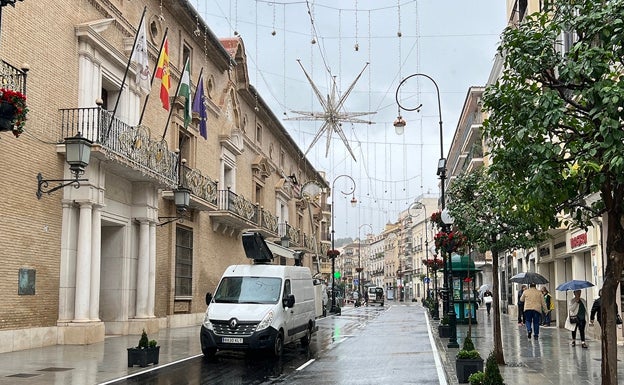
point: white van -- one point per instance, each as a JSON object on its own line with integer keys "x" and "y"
{"x": 259, "y": 306}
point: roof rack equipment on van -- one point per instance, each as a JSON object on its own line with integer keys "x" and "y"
{"x": 256, "y": 248}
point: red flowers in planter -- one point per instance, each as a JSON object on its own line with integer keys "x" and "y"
{"x": 436, "y": 218}
{"x": 333, "y": 253}
{"x": 434, "y": 264}
{"x": 450, "y": 242}
{"x": 13, "y": 111}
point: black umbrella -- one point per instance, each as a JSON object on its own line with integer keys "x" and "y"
{"x": 528, "y": 278}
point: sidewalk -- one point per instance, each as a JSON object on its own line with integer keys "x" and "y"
{"x": 549, "y": 360}
{"x": 97, "y": 363}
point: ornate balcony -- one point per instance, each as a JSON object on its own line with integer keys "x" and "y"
{"x": 127, "y": 150}
{"x": 13, "y": 78}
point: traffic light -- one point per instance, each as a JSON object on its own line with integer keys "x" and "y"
{"x": 337, "y": 274}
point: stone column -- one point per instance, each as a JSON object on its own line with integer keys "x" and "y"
{"x": 83, "y": 264}
{"x": 152, "y": 269}
{"x": 96, "y": 254}
{"x": 143, "y": 271}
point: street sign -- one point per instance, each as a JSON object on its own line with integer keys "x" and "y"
{"x": 356, "y": 281}
{"x": 427, "y": 280}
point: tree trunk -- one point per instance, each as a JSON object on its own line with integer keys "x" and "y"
{"x": 613, "y": 272}
{"x": 498, "y": 341}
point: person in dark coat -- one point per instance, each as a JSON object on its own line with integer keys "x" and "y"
{"x": 595, "y": 309}
{"x": 521, "y": 305}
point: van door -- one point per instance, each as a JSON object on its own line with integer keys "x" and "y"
{"x": 289, "y": 314}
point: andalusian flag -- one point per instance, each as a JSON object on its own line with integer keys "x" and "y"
{"x": 185, "y": 91}
{"x": 162, "y": 73}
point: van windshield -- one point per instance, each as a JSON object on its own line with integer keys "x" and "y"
{"x": 248, "y": 290}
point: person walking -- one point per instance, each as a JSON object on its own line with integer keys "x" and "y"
{"x": 521, "y": 305}
{"x": 487, "y": 299}
{"x": 595, "y": 309}
{"x": 550, "y": 305}
{"x": 534, "y": 305}
{"x": 577, "y": 317}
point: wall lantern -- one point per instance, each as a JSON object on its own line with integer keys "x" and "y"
{"x": 77, "y": 154}
{"x": 182, "y": 200}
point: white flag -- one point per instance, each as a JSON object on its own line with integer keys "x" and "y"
{"x": 139, "y": 56}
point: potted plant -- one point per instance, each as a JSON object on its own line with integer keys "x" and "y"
{"x": 492, "y": 374}
{"x": 444, "y": 330}
{"x": 476, "y": 378}
{"x": 468, "y": 361}
{"x": 146, "y": 353}
{"x": 13, "y": 111}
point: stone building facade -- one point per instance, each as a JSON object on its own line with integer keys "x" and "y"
{"x": 108, "y": 256}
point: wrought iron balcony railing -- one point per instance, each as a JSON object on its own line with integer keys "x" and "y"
{"x": 126, "y": 144}
{"x": 12, "y": 78}
{"x": 200, "y": 185}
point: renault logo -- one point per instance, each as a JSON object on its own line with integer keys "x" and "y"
{"x": 233, "y": 323}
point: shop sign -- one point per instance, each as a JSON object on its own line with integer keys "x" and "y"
{"x": 578, "y": 241}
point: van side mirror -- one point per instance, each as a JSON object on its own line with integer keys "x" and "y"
{"x": 208, "y": 298}
{"x": 288, "y": 301}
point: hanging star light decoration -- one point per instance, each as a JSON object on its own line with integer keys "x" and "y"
{"x": 333, "y": 115}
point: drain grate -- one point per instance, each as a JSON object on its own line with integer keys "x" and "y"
{"x": 516, "y": 364}
{"x": 53, "y": 369}
{"x": 24, "y": 375}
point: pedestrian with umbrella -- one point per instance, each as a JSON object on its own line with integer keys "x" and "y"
{"x": 526, "y": 278}
{"x": 577, "y": 309}
{"x": 534, "y": 305}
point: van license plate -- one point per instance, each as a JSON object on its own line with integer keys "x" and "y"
{"x": 230, "y": 340}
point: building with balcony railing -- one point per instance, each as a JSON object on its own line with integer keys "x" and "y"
{"x": 114, "y": 255}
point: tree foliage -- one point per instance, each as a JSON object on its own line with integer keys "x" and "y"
{"x": 556, "y": 128}
{"x": 484, "y": 212}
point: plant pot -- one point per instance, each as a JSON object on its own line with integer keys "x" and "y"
{"x": 143, "y": 357}
{"x": 444, "y": 331}
{"x": 466, "y": 366}
{"x": 7, "y": 115}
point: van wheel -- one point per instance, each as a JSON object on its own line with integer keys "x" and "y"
{"x": 209, "y": 353}
{"x": 305, "y": 340}
{"x": 278, "y": 345}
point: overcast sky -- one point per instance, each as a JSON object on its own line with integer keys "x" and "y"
{"x": 452, "y": 41}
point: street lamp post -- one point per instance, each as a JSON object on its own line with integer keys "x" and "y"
{"x": 333, "y": 257}
{"x": 399, "y": 125}
{"x": 448, "y": 221}
{"x": 436, "y": 309}
{"x": 359, "y": 268}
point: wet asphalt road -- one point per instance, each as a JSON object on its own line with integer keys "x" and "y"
{"x": 364, "y": 345}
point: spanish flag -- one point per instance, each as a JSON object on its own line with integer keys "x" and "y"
{"x": 162, "y": 73}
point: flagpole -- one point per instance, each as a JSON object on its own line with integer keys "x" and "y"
{"x": 153, "y": 74}
{"x": 174, "y": 98}
{"x": 123, "y": 81}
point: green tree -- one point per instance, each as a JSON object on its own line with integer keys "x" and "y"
{"x": 481, "y": 209}
{"x": 556, "y": 133}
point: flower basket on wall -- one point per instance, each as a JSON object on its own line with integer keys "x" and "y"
{"x": 13, "y": 111}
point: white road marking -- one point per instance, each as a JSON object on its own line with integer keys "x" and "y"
{"x": 306, "y": 364}
{"x": 436, "y": 356}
